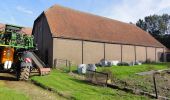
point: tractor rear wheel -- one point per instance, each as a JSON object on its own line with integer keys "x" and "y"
{"x": 24, "y": 73}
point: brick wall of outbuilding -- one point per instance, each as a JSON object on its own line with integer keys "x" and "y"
{"x": 112, "y": 52}
{"x": 93, "y": 52}
{"x": 151, "y": 54}
{"x": 79, "y": 51}
{"x": 140, "y": 53}
{"x": 128, "y": 53}
{"x": 68, "y": 50}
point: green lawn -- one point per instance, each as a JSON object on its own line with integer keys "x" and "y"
{"x": 126, "y": 71}
{"x": 9, "y": 94}
{"x": 73, "y": 88}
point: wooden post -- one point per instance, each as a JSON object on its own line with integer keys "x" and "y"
{"x": 121, "y": 53}
{"x": 55, "y": 63}
{"x": 146, "y": 54}
{"x": 155, "y": 55}
{"x": 69, "y": 66}
{"x": 154, "y": 82}
{"x": 66, "y": 63}
{"x": 82, "y": 51}
{"x": 135, "y": 53}
{"x": 107, "y": 79}
{"x": 104, "y": 51}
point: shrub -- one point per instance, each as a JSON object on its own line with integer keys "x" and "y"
{"x": 123, "y": 64}
{"x": 148, "y": 61}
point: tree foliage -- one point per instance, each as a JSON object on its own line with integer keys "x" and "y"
{"x": 158, "y": 26}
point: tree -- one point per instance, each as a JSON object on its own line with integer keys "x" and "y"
{"x": 158, "y": 26}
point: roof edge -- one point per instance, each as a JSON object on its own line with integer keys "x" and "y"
{"x": 84, "y": 12}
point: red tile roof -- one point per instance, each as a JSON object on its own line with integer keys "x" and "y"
{"x": 25, "y": 30}
{"x": 69, "y": 23}
{"x": 2, "y": 26}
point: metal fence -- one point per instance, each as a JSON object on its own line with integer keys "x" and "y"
{"x": 62, "y": 64}
{"x": 98, "y": 78}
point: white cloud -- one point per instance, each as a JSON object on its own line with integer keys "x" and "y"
{"x": 132, "y": 10}
{"x": 24, "y": 10}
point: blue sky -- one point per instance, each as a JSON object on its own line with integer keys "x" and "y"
{"x": 24, "y": 12}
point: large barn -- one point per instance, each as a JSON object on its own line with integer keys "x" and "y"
{"x": 64, "y": 33}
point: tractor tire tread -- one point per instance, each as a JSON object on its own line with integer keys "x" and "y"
{"x": 24, "y": 74}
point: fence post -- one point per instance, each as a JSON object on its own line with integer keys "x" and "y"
{"x": 69, "y": 64}
{"x": 55, "y": 63}
{"x": 106, "y": 78}
{"x": 154, "y": 82}
{"x": 94, "y": 75}
{"x": 66, "y": 63}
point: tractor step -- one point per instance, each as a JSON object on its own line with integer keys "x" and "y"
{"x": 44, "y": 71}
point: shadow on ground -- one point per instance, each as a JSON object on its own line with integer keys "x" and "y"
{"x": 7, "y": 76}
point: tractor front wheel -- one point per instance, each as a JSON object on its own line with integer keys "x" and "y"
{"x": 24, "y": 73}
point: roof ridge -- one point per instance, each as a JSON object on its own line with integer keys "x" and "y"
{"x": 84, "y": 12}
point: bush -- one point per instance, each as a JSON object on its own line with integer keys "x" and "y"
{"x": 123, "y": 64}
{"x": 148, "y": 61}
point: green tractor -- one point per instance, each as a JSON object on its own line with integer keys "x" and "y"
{"x": 16, "y": 53}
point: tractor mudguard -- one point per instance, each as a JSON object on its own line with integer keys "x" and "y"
{"x": 23, "y": 64}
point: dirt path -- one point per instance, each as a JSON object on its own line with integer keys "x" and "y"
{"x": 31, "y": 90}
